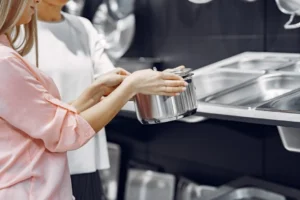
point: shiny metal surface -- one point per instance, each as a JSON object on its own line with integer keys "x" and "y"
{"x": 110, "y": 176}
{"x": 188, "y": 190}
{"x": 118, "y": 34}
{"x": 288, "y": 103}
{"x": 259, "y": 64}
{"x": 149, "y": 185}
{"x": 258, "y": 91}
{"x": 294, "y": 67}
{"x": 120, "y": 9}
{"x": 289, "y": 6}
{"x": 216, "y": 81}
{"x": 251, "y": 194}
{"x": 153, "y": 109}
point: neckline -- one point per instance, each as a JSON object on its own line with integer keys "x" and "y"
{"x": 54, "y": 22}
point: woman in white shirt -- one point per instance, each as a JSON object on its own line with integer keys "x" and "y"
{"x": 71, "y": 52}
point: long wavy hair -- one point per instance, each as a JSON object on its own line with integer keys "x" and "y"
{"x": 22, "y": 37}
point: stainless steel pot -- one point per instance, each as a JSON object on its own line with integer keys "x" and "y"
{"x": 154, "y": 109}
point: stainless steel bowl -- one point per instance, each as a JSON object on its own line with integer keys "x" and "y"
{"x": 154, "y": 109}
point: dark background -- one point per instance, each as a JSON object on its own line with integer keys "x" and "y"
{"x": 212, "y": 152}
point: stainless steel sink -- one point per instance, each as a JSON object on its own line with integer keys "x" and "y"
{"x": 216, "y": 81}
{"x": 294, "y": 67}
{"x": 259, "y": 64}
{"x": 257, "y": 92}
{"x": 251, "y": 194}
{"x": 289, "y": 103}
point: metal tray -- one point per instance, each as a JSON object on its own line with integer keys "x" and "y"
{"x": 251, "y": 194}
{"x": 189, "y": 190}
{"x": 260, "y": 64}
{"x": 148, "y": 185}
{"x": 243, "y": 183}
{"x": 257, "y": 92}
{"x": 110, "y": 176}
{"x": 287, "y": 103}
{"x": 294, "y": 67}
{"x": 219, "y": 80}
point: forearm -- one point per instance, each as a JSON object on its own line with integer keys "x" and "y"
{"x": 88, "y": 99}
{"x": 103, "y": 112}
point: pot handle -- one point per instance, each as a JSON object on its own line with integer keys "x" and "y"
{"x": 189, "y": 76}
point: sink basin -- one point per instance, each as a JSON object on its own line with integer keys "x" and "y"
{"x": 288, "y": 103}
{"x": 295, "y": 67}
{"x": 258, "y": 91}
{"x": 251, "y": 194}
{"x": 216, "y": 81}
{"x": 259, "y": 64}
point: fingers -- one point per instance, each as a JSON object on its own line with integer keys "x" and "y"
{"x": 171, "y": 85}
{"x": 173, "y": 69}
{"x": 180, "y": 67}
{"x": 174, "y": 83}
{"x": 170, "y": 76}
{"x": 122, "y": 71}
{"x": 118, "y": 79}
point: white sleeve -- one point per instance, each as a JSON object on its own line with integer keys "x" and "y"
{"x": 101, "y": 61}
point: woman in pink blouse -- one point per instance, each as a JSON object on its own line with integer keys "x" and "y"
{"x": 36, "y": 128}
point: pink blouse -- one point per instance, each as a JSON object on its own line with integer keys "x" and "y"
{"x": 36, "y": 130}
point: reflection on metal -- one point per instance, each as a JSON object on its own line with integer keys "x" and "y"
{"x": 292, "y": 8}
{"x": 75, "y": 7}
{"x": 188, "y": 190}
{"x": 154, "y": 109}
{"x": 110, "y": 176}
{"x": 120, "y": 9}
{"x": 258, "y": 91}
{"x": 251, "y": 193}
{"x": 149, "y": 185}
{"x": 118, "y": 33}
{"x": 200, "y": 1}
{"x": 220, "y": 80}
{"x": 245, "y": 102}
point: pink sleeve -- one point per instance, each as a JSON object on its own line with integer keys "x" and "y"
{"x": 27, "y": 105}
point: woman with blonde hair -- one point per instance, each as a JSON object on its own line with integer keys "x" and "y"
{"x": 79, "y": 55}
{"x": 36, "y": 128}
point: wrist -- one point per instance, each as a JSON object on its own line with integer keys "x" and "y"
{"x": 96, "y": 88}
{"x": 129, "y": 85}
{"x": 131, "y": 82}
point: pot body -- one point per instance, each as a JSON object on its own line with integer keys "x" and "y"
{"x": 154, "y": 109}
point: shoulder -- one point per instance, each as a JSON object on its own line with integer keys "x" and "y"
{"x": 11, "y": 61}
{"x": 6, "y": 52}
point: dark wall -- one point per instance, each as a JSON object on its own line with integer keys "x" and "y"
{"x": 181, "y": 32}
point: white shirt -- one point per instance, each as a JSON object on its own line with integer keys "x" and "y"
{"x": 72, "y": 54}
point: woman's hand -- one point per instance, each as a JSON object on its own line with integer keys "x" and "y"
{"x": 174, "y": 69}
{"x": 156, "y": 83}
{"x": 103, "y": 86}
{"x": 108, "y": 82}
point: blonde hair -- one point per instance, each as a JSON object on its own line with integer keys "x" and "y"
{"x": 10, "y": 13}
